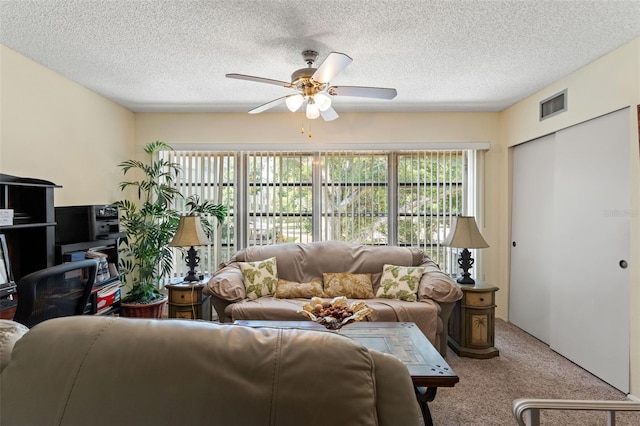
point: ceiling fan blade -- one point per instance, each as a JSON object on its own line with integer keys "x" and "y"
{"x": 268, "y": 105}
{"x": 364, "y": 92}
{"x": 331, "y": 66}
{"x": 329, "y": 114}
{"x": 259, "y": 79}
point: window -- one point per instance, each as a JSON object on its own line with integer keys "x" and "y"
{"x": 431, "y": 189}
{"x": 354, "y": 203}
{"x": 210, "y": 176}
{"x": 402, "y": 198}
{"x": 279, "y": 198}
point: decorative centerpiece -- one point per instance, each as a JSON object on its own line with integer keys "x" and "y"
{"x": 336, "y": 313}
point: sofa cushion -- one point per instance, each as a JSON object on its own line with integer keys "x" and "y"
{"x": 353, "y": 286}
{"x": 291, "y": 289}
{"x": 400, "y": 282}
{"x": 267, "y": 308}
{"x": 302, "y": 262}
{"x": 260, "y": 277}
{"x": 423, "y": 313}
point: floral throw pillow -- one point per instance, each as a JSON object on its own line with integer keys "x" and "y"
{"x": 260, "y": 277}
{"x": 291, "y": 290}
{"x": 352, "y": 286}
{"x": 400, "y": 282}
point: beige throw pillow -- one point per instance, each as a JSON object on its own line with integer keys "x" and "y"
{"x": 352, "y": 286}
{"x": 291, "y": 289}
{"x": 260, "y": 277}
{"x": 400, "y": 282}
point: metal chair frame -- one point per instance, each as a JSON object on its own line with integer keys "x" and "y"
{"x": 527, "y": 410}
{"x": 28, "y": 286}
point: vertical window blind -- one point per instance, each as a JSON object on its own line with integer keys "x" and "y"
{"x": 279, "y": 197}
{"x": 354, "y": 203}
{"x": 397, "y": 198}
{"x": 431, "y": 189}
{"x": 209, "y": 176}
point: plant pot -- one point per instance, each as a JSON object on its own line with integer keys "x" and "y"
{"x": 139, "y": 310}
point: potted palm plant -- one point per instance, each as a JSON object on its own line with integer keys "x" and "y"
{"x": 150, "y": 222}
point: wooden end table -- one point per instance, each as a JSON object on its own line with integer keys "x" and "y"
{"x": 187, "y": 301}
{"x": 472, "y": 322}
{"x": 427, "y": 368}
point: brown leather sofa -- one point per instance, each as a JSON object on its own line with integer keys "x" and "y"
{"x": 304, "y": 262}
{"x": 104, "y": 370}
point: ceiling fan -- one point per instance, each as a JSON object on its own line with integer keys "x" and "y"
{"x": 312, "y": 87}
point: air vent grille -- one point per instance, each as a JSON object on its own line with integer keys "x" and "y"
{"x": 553, "y": 105}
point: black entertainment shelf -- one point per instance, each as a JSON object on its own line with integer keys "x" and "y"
{"x": 31, "y": 237}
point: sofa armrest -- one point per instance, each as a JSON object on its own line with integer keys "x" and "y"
{"x": 395, "y": 403}
{"x": 227, "y": 283}
{"x": 446, "y": 308}
{"x": 10, "y": 333}
{"x": 437, "y": 285}
{"x": 220, "y": 305}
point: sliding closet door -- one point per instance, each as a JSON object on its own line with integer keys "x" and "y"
{"x": 531, "y": 221}
{"x": 590, "y": 294}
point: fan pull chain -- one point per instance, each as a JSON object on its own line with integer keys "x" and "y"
{"x": 310, "y": 134}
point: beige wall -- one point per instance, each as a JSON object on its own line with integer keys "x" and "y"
{"x": 284, "y": 128}
{"x": 57, "y": 130}
{"x": 608, "y": 84}
{"x": 450, "y": 128}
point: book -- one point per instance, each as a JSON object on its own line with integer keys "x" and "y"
{"x": 103, "y": 264}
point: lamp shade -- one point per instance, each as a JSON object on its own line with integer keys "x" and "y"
{"x": 312, "y": 110}
{"x": 190, "y": 233}
{"x": 464, "y": 234}
{"x": 323, "y": 101}
{"x": 294, "y": 102}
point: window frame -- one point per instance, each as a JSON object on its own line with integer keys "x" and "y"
{"x": 471, "y": 199}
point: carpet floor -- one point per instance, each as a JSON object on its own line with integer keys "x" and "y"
{"x": 526, "y": 368}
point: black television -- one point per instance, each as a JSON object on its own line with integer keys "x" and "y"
{"x": 7, "y": 284}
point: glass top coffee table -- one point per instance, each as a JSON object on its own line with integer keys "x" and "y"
{"x": 427, "y": 368}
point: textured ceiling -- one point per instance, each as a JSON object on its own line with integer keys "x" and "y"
{"x": 439, "y": 55}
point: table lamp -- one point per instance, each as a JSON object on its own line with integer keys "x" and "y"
{"x": 465, "y": 234}
{"x": 189, "y": 234}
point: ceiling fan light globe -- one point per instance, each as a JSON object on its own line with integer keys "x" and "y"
{"x": 323, "y": 101}
{"x": 312, "y": 111}
{"x": 294, "y": 102}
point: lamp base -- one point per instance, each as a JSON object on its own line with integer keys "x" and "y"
{"x": 191, "y": 277}
{"x": 192, "y": 261}
{"x": 466, "y": 280}
{"x": 466, "y": 262}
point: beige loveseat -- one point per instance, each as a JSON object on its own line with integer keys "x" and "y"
{"x": 306, "y": 262}
{"x": 85, "y": 370}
